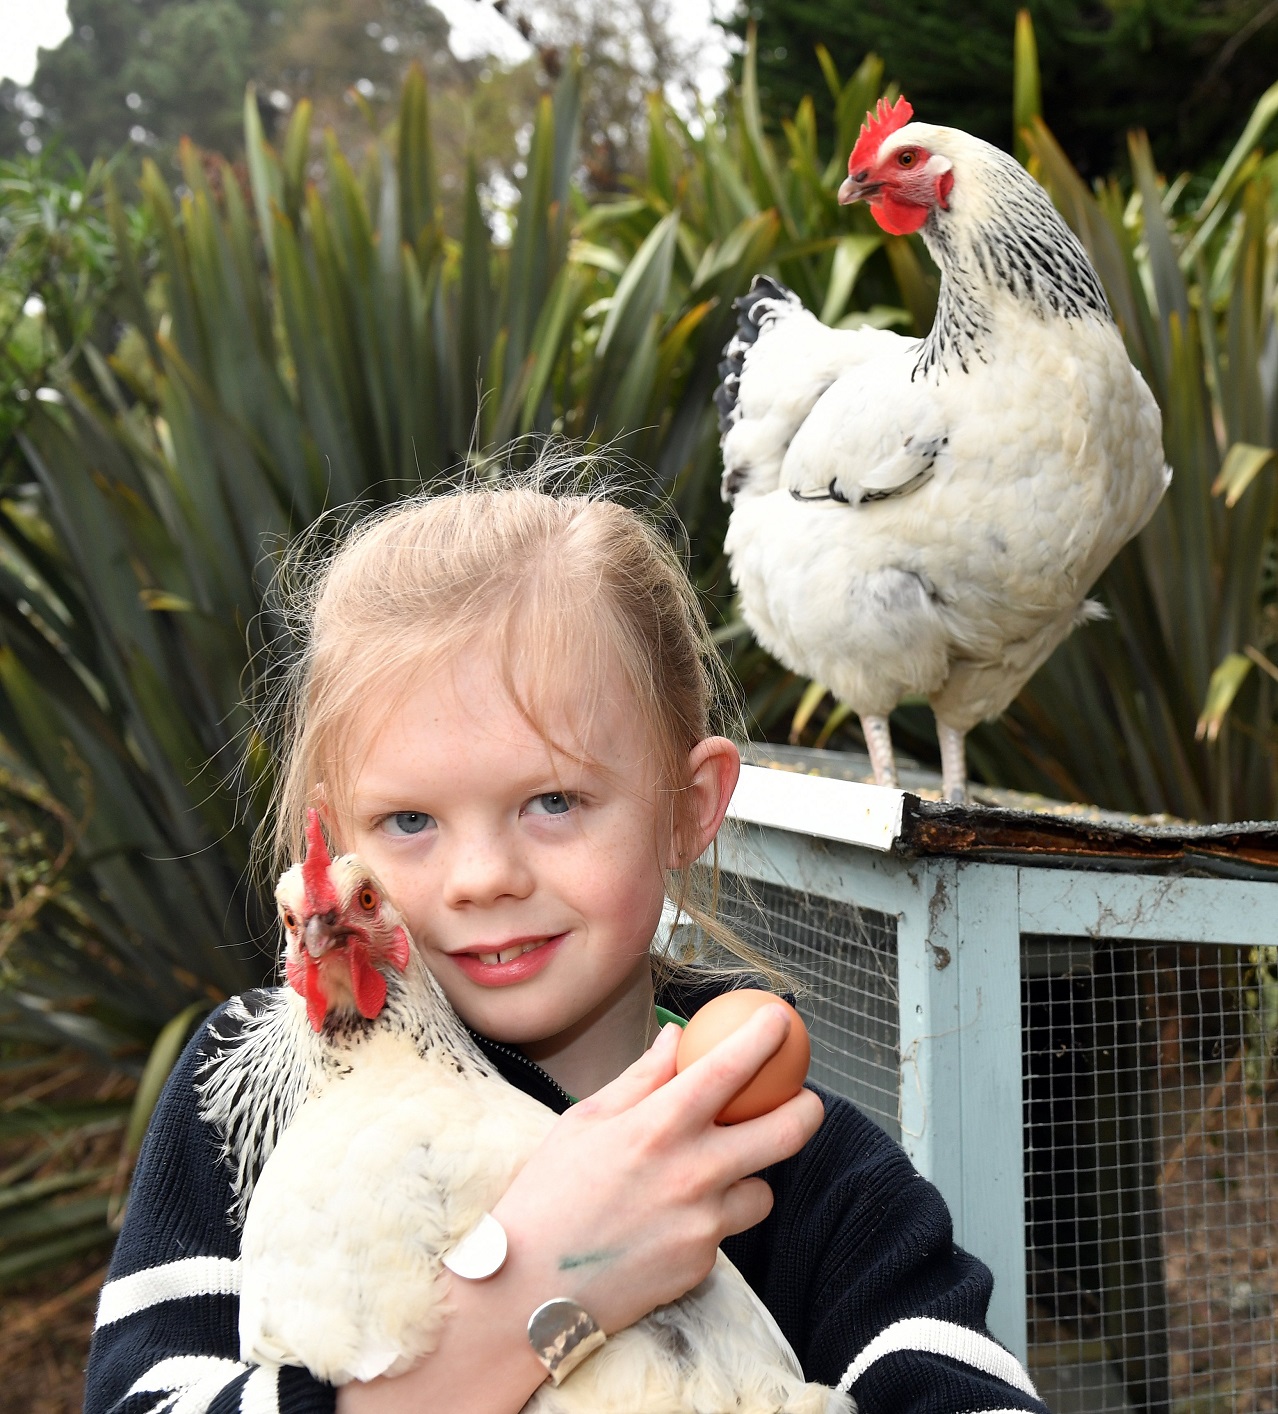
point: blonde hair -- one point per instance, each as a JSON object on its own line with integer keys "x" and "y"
{"x": 552, "y": 583}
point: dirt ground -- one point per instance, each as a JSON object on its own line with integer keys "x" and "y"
{"x": 44, "y": 1340}
{"x": 46, "y": 1321}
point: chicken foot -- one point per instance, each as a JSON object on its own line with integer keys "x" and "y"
{"x": 953, "y": 762}
{"x": 878, "y": 741}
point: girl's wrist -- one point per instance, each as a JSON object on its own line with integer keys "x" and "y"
{"x": 482, "y": 1363}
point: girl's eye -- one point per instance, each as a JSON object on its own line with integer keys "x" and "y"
{"x": 555, "y": 802}
{"x": 906, "y": 159}
{"x": 367, "y": 899}
{"x": 406, "y": 822}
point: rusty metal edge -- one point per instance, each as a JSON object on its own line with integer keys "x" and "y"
{"x": 1239, "y": 850}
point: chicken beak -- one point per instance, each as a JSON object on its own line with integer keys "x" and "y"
{"x": 319, "y": 935}
{"x": 853, "y": 190}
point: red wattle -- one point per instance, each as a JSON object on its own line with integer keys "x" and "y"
{"x": 898, "y": 218}
{"x": 368, "y": 985}
{"x": 304, "y": 977}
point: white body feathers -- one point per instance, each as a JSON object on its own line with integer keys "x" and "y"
{"x": 976, "y": 482}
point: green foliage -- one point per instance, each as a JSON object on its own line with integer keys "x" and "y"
{"x": 57, "y": 269}
{"x": 139, "y": 75}
{"x": 1184, "y": 70}
{"x": 56, "y": 1150}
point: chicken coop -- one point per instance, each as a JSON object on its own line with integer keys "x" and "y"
{"x": 1068, "y": 1019}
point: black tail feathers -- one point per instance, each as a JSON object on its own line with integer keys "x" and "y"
{"x": 754, "y": 309}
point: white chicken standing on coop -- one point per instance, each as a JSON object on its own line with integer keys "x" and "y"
{"x": 926, "y": 516}
{"x": 383, "y": 1136}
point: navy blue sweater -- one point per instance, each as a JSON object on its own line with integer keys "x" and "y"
{"x": 856, "y": 1262}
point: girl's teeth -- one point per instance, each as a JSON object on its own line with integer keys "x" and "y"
{"x": 491, "y": 959}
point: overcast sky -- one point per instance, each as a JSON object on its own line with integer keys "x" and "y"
{"x": 26, "y": 25}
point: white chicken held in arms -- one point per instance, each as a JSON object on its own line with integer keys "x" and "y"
{"x": 926, "y": 516}
{"x": 369, "y": 1135}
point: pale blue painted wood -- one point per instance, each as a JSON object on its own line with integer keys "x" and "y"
{"x": 930, "y": 1024}
{"x": 992, "y": 1219}
{"x": 1088, "y": 903}
{"x": 827, "y": 868}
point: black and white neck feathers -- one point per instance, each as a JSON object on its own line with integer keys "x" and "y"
{"x": 1002, "y": 247}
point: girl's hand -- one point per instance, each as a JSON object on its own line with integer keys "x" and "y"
{"x": 625, "y": 1203}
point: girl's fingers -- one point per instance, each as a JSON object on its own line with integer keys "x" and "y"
{"x": 777, "y": 1135}
{"x": 706, "y": 1086}
{"x": 682, "y": 1108}
{"x": 744, "y": 1204}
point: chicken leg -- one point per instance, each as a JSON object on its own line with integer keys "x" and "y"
{"x": 878, "y": 741}
{"x": 953, "y": 762}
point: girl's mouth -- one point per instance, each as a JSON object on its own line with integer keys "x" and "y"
{"x": 508, "y": 954}
{"x": 505, "y": 966}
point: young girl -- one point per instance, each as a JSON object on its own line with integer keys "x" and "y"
{"x": 504, "y": 706}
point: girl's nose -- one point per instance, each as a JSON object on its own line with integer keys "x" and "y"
{"x": 483, "y": 868}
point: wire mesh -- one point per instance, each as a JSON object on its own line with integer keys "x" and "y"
{"x": 1151, "y": 1157}
{"x": 844, "y": 959}
{"x": 1150, "y": 1142}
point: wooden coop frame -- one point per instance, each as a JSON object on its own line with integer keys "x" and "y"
{"x": 978, "y": 896}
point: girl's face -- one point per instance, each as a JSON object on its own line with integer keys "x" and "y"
{"x": 532, "y": 883}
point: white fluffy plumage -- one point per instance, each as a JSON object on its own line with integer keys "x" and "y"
{"x": 926, "y": 516}
{"x": 364, "y": 1150}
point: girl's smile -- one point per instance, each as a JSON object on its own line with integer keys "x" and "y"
{"x": 531, "y": 875}
{"x": 501, "y": 964}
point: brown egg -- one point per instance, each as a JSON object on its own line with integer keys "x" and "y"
{"x": 779, "y": 1079}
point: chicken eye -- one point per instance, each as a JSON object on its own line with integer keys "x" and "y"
{"x": 290, "y": 919}
{"x": 367, "y": 899}
{"x": 906, "y": 159}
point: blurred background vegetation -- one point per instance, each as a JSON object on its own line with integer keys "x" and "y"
{"x": 387, "y": 262}
{"x": 1188, "y": 73}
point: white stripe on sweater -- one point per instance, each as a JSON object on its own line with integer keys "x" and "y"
{"x": 198, "y": 1380}
{"x": 924, "y": 1335}
{"x": 261, "y": 1392}
{"x": 174, "y": 1281}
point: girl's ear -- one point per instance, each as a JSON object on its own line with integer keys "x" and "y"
{"x": 713, "y": 767}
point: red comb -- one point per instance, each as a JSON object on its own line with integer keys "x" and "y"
{"x": 885, "y": 119}
{"x": 320, "y": 893}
